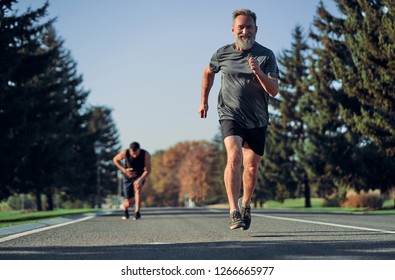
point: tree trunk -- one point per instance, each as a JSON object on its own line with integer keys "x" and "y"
{"x": 307, "y": 195}
{"x": 49, "y": 201}
{"x": 93, "y": 201}
{"x": 39, "y": 204}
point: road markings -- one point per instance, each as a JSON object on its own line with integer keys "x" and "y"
{"x": 325, "y": 224}
{"x": 14, "y": 236}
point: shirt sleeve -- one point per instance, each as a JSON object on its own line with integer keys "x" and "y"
{"x": 271, "y": 68}
{"x": 214, "y": 64}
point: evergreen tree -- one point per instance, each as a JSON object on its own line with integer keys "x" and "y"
{"x": 365, "y": 66}
{"x": 326, "y": 149}
{"x": 274, "y": 179}
{"x": 216, "y": 190}
{"x": 22, "y": 58}
{"x": 45, "y": 142}
{"x": 53, "y": 123}
{"x": 286, "y": 136}
{"x": 102, "y": 130}
{"x": 337, "y": 151}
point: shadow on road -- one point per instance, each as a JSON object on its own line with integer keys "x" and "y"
{"x": 270, "y": 244}
{"x": 270, "y": 250}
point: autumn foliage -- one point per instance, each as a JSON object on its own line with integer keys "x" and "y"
{"x": 181, "y": 173}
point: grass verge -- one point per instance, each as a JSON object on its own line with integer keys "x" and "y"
{"x": 12, "y": 218}
{"x": 298, "y": 205}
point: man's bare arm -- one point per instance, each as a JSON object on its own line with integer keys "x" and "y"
{"x": 207, "y": 84}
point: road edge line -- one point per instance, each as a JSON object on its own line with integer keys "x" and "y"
{"x": 323, "y": 223}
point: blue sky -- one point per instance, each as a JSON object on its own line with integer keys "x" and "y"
{"x": 145, "y": 59}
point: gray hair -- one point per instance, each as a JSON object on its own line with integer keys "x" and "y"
{"x": 244, "y": 12}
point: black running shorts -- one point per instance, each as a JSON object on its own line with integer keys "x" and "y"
{"x": 254, "y": 137}
{"x": 128, "y": 188}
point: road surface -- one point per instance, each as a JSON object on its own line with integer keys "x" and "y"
{"x": 204, "y": 234}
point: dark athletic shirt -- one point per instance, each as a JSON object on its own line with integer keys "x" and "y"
{"x": 241, "y": 97}
{"x": 137, "y": 163}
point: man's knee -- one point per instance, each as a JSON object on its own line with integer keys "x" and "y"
{"x": 251, "y": 170}
{"x": 235, "y": 159}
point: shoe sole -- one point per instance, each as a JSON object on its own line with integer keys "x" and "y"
{"x": 245, "y": 228}
{"x": 236, "y": 226}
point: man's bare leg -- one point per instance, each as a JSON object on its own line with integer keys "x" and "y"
{"x": 137, "y": 192}
{"x": 137, "y": 196}
{"x": 232, "y": 174}
{"x": 250, "y": 174}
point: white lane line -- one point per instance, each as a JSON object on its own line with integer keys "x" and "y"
{"x": 325, "y": 224}
{"x": 14, "y": 236}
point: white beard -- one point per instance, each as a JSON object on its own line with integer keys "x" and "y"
{"x": 244, "y": 45}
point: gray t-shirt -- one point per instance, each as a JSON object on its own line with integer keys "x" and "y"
{"x": 241, "y": 97}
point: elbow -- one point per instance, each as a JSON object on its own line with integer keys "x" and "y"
{"x": 274, "y": 90}
{"x": 147, "y": 170}
{"x": 273, "y": 93}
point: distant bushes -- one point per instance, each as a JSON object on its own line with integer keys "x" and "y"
{"x": 27, "y": 202}
{"x": 371, "y": 199}
{"x": 19, "y": 202}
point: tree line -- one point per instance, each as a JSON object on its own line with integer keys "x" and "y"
{"x": 332, "y": 125}
{"x": 48, "y": 131}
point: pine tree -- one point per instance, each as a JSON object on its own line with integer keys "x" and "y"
{"x": 53, "y": 124}
{"x": 45, "y": 142}
{"x": 337, "y": 151}
{"x": 22, "y": 58}
{"x": 286, "y": 136}
{"x": 102, "y": 130}
{"x": 326, "y": 150}
{"x": 367, "y": 69}
{"x": 216, "y": 190}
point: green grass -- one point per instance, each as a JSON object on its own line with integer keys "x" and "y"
{"x": 298, "y": 205}
{"x": 11, "y": 218}
{"x": 293, "y": 203}
{"x": 389, "y": 204}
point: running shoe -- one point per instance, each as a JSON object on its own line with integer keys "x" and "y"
{"x": 136, "y": 216}
{"x": 126, "y": 215}
{"x": 235, "y": 220}
{"x": 246, "y": 216}
{"x": 245, "y": 213}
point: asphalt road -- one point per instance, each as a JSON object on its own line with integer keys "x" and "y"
{"x": 204, "y": 234}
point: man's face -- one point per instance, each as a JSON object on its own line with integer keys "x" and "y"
{"x": 244, "y": 31}
{"x": 134, "y": 153}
